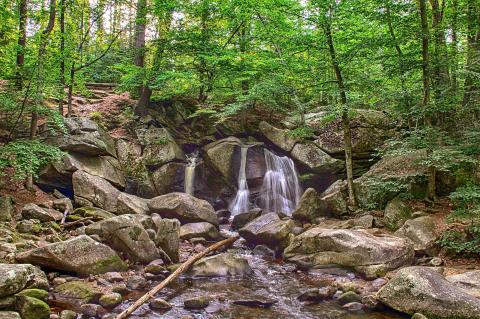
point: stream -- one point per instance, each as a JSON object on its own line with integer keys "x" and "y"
{"x": 272, "y": 280}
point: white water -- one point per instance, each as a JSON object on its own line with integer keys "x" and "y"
{"x": 241, "y": 202}
{"x": 190, "y": 174}
{"x": 280, "y": 189}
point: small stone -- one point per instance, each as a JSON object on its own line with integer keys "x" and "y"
{"x": 110, "y": 300}
{"x": 264, "y": 251}
{"x": 113, "y": 276}
{"x": 120, "y": 288}
{"x": 159, "y": 304}
{"x": 136, "y": 282}
{"x": 349, "y": 297}
{"x": 198, "y": 240}
{"x": 436, "y": 261}
{"x": 68, "y": 314}
{"x": 256, "y": 302}
{"x": 196, "y": 303}
{"x": 59, "y": 281}
{"x": 297, "y": 230}
{"x": 370, "y": 301}
{"x": 379, "y": 283}
{"x": 54, "y": 316}
{"x": 155, "y": 268}
{"x": 353, "y": 306}
{"x": 326, "y": 292}
{"x": 92, "y": 310}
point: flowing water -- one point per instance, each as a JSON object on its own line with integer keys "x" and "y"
{"x": 281, "y": 189}
{"x": 271, "y": 280}
{"x": 241, "y": 203}
{"x": 190, "y": 173}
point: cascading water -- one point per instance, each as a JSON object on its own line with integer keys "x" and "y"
{"x": 241, "y": 202}
{"x": 190, "y": 173}
{"x": 280, "y": 189}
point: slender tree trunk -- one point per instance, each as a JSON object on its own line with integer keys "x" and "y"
{"x": 22, "y": 39}
{"x": 347, "y": 134}
{"x": 425, "y": 59}
{"x": 454, "y": 55}
{"x": 139, "y": 58}
{"x": 62, "y": 56}
{"x": 471, "y": 86}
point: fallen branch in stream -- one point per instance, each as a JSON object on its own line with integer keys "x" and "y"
{"x": 183, "y": 267}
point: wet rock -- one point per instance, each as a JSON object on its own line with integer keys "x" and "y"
{"x": 92, "y": 310}
{"x": 167, "y": 178}
{"x": 396, "y": 213}
{"x": 113, "y": 276}
{"x": 264, "y": 251}
{"x": 110, "y": 300}
{"x": 63, "y": 204}
{"x": 136, "y": 282}
{"x": 372, "y": 255}
{"x": 81, "y": 255}
{"x": 268, "y": 230}
{"x": 126, "y": 234}
{"x": 160, "y": 147}
{"x": 159, "y": 304}
{"x": 32, "y": 308}
{"x": 76, "y": 293}
{"x": 221, "y": 265}
{"x": 184, "y": 207}
{"x": 349, "y": 296}
{"x": 370, "y": 301}
{"x": 310, "y": 206}
{"x": 131, "y": 204}
{"x": 68, "y": 314}
{"x": 256, "y": 302}
{"x": 277, "y": 136}
{"x": 334, "y": 200}
{"x": 314, "y": 158}
{"x": 422, "y": 231}
{"x": 223, "y": 213}
{"x": 95, "y": 190}
{"x": 353, "y": 306}
{"x": 468, "y": 281}
{"x": 32, "y": 211}
{"x": 436, "y": 261}
{"x": 168, "y": 236}
{"x": 156, "y": 267}
{"x": 365, "y": 221}
{"x": 7, "y": 208}
{"x": 16, "y": 277}
{"x": 317, "y": 294}
{"x": 418, "y": 316}
{"x": 424, "y": 290}
{"x": 121, "y": 288}
{"x": 7, "y": 302}
{"x": 242, "y": 219}
{"x": 95, "y": 212}
{"x": 196, "y": 303}
{"x": 203, "y": 229}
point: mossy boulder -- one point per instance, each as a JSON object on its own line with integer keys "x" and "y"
{"x": 32, "y": 308}
{"x": 396, "y": 214}
{"x": 14, "y": 278}
{"x": 110, "y": 300}
{"x": 35, "y": 293}
{"x": 76, "y": 293}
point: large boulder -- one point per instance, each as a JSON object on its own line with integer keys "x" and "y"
{"x": 131, "y": 204}
{"x": 95, "y": 190}
{"x": 168, "y": 178}
{"x": 422, "y": 231}
{"x": 168, "y": 236}
{"x": 334, "y": 200}
{"x": 160, "y": 147}
{"x": 81, "y": 255}
{"x": 315, "y": 159}
{"x": 221, "y": 265}
{"x": 372, "y": 255}
{"x": 369, "y": 129}
{"x": 425, "y": 290}
{"x": 220, "y": 155}
{"x": 16, "y": 277}
{"x": 59, "y": 174}
{"x": 127, "y": 235}
{"x": 468, "y": 281}
{"x": 184, "y": 207}
{"x": 397, "y": 212}
{"x": 268, "y": 230}
{"x": 86, "y": 137}
{"x": 33, "y": 211}
{"x": 203, "y": 229}
{"x": 278, "y": 137}
{"x": 309, "y": 207}
{"x": 7, "y": 209}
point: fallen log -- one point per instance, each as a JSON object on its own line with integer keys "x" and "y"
{"x": 183, "y": 267}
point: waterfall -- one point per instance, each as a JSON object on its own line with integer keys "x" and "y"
{"x": 190, "y": 173}
{"x": 241, "y": 202}
{"x": 280, "y": 189}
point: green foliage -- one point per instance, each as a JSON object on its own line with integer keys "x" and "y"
{"x": 27, "y": 157}
{"x": 465, "y": 242}
{"x": 302, "y": 133}
{"x": 381, "y": 190}
{"x": 162, "y": 141}
{"x": 466, "y": 202}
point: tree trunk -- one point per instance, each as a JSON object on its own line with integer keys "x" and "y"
{"x": 425, "y": 60}
{"x": 62, "y": 56}
{"x": 347, "y": 135}
{"x": 471, "y": 86}
{"x": 22, "y": 38}
{"x": 139, "y": 56}
{"x": 454, "y": 55}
